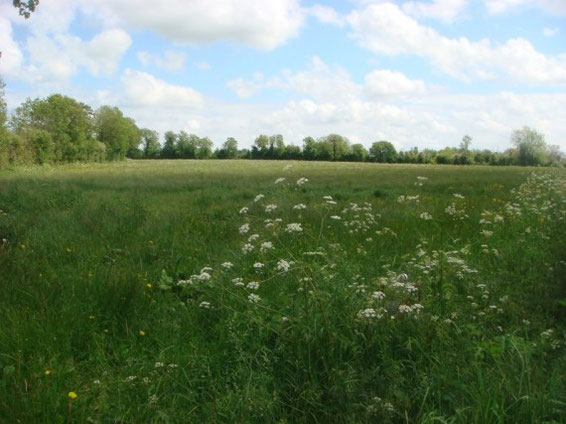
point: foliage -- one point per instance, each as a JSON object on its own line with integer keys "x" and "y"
{"x": 531, "y": 146}
{"x": 26, "y": 8}
{"x": 383, "y": 151}
{"x": 118, "y": 133}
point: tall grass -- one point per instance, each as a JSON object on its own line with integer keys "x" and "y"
{"x": 158, "y": 292}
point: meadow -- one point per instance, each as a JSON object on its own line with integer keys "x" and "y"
{"x": 282, "y": 292}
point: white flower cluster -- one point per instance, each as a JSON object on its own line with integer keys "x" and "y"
{"x": 270, "y": 208}
{"x": 299, "y": 207}
{"x": 266, "y": 245}
{"x": 302, "y": 181}
{"x": 294, "y": 227}
{"x": 258, "y": 198}
{"x": 283, "y": 265}
{"x": 244, "y": 228}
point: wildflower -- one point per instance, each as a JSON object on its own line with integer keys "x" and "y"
{"x": 283, "y": 265}
{"x": 486, "y": 233}
{"x": 279, "y": 180}
{"x": 294, "y": 227}
{"x": 97, "y": 382}
{"x": 300, "y": 206}
{"x": 253, "y": 285}
{"x": 243, "y": 211}
{"x": 258, "y": 198}
{"x": 368, "y": 313}
{"x": 47, "y": 372}
{"x": 254, "y": 298}
{"x": 258, "y": 265}
{"x": 244, "y": 228}
{"x": 458, "y": 196}
{"x": 205, "y": 269}
{"x": 227, "y": 265}
{"x": 302, "y": 181}
{"x": 148, "y": 285}
{"x": 247, "y": 248}
{"x": 336, "y": 217}
{"x": 270, "y": 208}
{"x": 204, "y": 305}
{"x": 253, "y": 237}
{"x": 130, "y": 378}
{"x": 72, "y": 395}
{"x": 287, "y": 167}
{"x": 379, "y": 295}
{"x": 141, "y": 333}
{"x": 238, "y": 281}
{"x": 266, "y": 245}
{"x": 425, "y": 216}
{"x": 159, "y": 365}
{"x": 327, "y": 198}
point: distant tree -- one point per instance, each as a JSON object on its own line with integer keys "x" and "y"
{"x": 530, "y": 146}
{"x": 339, "y": 146}
{"x": 260, "y": 147}
{"x": 229, "y": 149}
{"x": 204, "y": 148}
{"x": 555, "y": 155}
{"x": 309, "y": 148}
{"x": 118, "y": 133}
{"x": 292, "y": 152}
{"x": 186, "y": 146}
{"x": 358, "y": 153}
{"x": 169, "y": 150}
{"x": 150, "y": 143}
{"x": 383, "y": 152}
{"x": 465, "y": 144}
{"x": 276, "y": 146}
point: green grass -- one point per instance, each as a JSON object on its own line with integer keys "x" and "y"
{"x": 90, "y": 299}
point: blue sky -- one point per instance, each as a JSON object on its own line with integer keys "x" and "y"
{"x": 416, "y": 72}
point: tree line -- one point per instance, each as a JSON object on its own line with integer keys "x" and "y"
{"x": 59, "y": 129}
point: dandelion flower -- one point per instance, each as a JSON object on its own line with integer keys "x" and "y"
{"x": 47, "y": 372}
{"x": 72, "y": 395}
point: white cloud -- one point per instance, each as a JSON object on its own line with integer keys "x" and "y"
{"x": 502, "y": 6}
{"x": 264, "y": 26}
{"x": 444, "y": 10}
{"x": 327, "y": 15}
{"x": 385, "y": 83}
{"x": 385, "y": 29}
{"x": 141, "y": 89}
{"x": 171, "y": 60}
{"x": 12, "y": 57}
{"x": 550, "y": 32}
{"x": 57, "y": 57}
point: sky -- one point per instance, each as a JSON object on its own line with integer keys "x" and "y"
{"x": 414, "y": 72}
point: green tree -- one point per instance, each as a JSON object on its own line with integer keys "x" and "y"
{"x": 358, "y": 153}
{"x": 383, "y": 152}
{"x": 229, "y": 149}
{"x": 260, "y": 146}
{"x": 118, "y": 133}
{"x": 309, "y": 148}
{"x": 530, "y": 146}
{"x": 150, "y": 143}
{"x": 204, "y": 148}
{"x": 186, "y": 146}
{"x": 169, "y": 150}
{"x": 465, "y": 143}
{"x": 334, "y": 145}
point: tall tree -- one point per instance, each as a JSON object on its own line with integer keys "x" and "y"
{"x": 383, "y": 152}
{"x": 530, "y": 146}
{"x": 119, "y": 133}
{"x": 150, "y": 143}
{"x": 169, "y": 150}
{"x": 229, "y": 149}
{"x": 186, "y": 146}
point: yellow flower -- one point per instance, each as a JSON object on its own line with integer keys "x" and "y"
{"x": 69, "y": 250}
{"x": 141, "y": 333}
{"x": 148, "y": 285}
{"x": 23, "y": 246}
{"x": 47, "y": 372}
{"x": 72, "y": 395}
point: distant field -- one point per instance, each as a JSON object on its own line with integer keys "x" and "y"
{"x": 369, "y": 293}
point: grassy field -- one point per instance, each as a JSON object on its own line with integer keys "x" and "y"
{"x": 173, "y": 291}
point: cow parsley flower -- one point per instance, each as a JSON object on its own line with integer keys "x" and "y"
{"x": 279, "y": 180}
{"x": 266, "y": 245}
{"x": 227, "y": 265}
{"x": 302, "y": 181}
{"x": 244, "y": 228}
{"x": 283, "y": 265}
{"x": 254, "y": 298}
{"x": 247, "y": 248}
{"x": 258, "y": 265}
{"x": 204, "y": 305}
{"x": 270, "y": 208}
{"x": 425, "y": 216}
{"x": 258, "y": 198}
{"x": 243, "y": 211}
{"x": 253, "y": 237}
{"x": 294, "y": 227}
{"x": 300, "y": 206}
{"x": 336, "y": 217}
{"x": 253, "y": 285}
